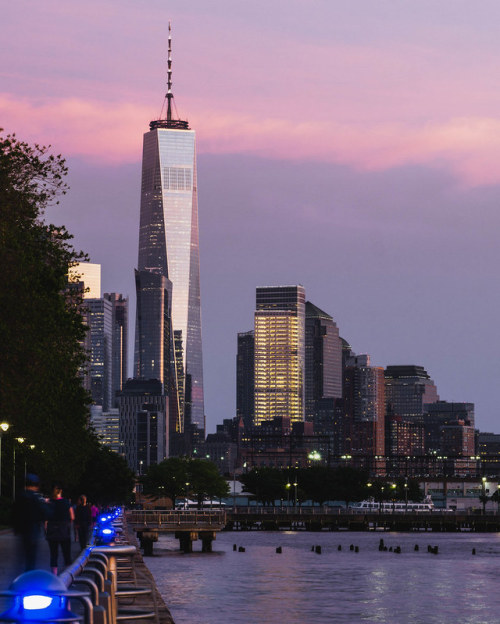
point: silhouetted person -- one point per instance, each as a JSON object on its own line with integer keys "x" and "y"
{"x": 58, "y": 528}
{"x": 83, "y": 520}
{"x": 29, "y": 512}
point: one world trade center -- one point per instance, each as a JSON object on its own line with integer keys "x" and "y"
{"x": 168, "y": 326}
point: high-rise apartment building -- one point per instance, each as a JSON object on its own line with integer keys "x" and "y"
{"x": 245, "y": 379}
{"x": 100, "y": 323}
{"x": 364, "y": 403}
{"x": 323, "y": 359}
{"x": 169, "y": 247}
{"x": 279, "y": 353}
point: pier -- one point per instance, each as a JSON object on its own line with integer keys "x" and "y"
{"x": 187, "y": 526}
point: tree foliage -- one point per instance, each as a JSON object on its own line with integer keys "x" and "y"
{"x": 181, "y": 476}
{"x": 41, "y": 393}
{"x": 267, "y": 484}
{"x": 106, "y": 480}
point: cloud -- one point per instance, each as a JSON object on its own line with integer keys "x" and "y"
{"x": 111, "y": 133}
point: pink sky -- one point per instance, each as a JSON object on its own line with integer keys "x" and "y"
{"x": 356, "y": 142}
{"x": 371, "y": 87}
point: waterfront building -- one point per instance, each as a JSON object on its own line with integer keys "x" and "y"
{"x": 441, "y": 414}
{"x": 245, "y": 378}
{"x": 408, "y": 389}
{"x": 144, "y": 430}
{"x": 323, "y": 359}
{"x": 119, "y": 341}
{"x": 169, "y": 249}
{"x": 488, "y": 448}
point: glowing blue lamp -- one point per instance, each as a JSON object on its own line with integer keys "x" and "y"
{"x": 39, "y": 596}
{"x": 105, "y": 535}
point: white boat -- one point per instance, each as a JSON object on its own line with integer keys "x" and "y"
{"x": 371, "y": 505}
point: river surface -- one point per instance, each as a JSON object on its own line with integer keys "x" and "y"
{"x": 259, "y": 586}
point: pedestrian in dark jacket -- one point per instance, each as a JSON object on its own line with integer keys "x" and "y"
{"x": 58, "y": 527}
{"x": 83, "y": 520}
{"x": 29, "y": 513}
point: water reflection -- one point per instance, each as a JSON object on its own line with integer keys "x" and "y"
{"x": 299, "y": 586}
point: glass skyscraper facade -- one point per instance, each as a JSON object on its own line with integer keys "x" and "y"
{"x": 323, "y": 363}
{"x": 169, "y": 247}
{"x": 279, "y": 353}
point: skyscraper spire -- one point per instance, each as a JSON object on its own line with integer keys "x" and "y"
{"x": 169, "y": 122}
{"x": 169, "y": 95}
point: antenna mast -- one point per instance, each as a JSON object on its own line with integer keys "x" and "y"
{"x": 169, "y": 95}
{"x": 178, "y": 124}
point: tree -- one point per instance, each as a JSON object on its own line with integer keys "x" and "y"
{"x": 41, "y": 331}
{"x": 106, "y": 479}
{"x": 349, "y": 484}
{"x": 316, "y": 482}
{"x": 205, "y": 481}
{"x": 267, "y": 484}
{"x": 168, "y": 478}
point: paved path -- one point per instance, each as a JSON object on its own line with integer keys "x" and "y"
{"x": 11, "y": 561}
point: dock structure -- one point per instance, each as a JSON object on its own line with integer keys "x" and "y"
{"x": 318, "y": 519}
{"x": 187, "y": 526}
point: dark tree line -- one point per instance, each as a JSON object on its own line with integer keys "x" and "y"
{"x": 320, "y": 484}
{"x": 184, "y": 477}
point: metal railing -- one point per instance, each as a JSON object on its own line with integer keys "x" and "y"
{"x": 174, "y": 518}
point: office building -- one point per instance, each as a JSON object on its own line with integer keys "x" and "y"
{"x": 100, "y": 324}
{"x": 245, "y": 379}
{"x": 89, "y": 274}
{"x": 279, "y": 353}
{"x": 143, "y": 409}
{"x": 408, "y": 389}
{"x": 364, "y": 404}
{"x": 106, "y": 426}
{"x": 488, "y": 448}
{"x": 169, "y": 249}
{"x": 323, "y": 359}
{"x": 119, "y": 341}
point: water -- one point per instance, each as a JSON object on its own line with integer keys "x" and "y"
{"x": 301, "y": 587}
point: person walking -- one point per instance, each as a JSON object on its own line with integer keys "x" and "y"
{"x": 29, "y": 513}
{"x": 58, "y": 528}
{"x": 83, "y": 520}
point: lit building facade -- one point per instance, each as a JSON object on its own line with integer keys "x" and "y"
{"x": 90, "y": 274}
{"x": 100, "y": 323}
{"x": 279, "y": 353}
{"x": 169, "y": 247}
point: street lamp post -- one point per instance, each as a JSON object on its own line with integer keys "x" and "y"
{"x": 295, "y": 486}
{"x": 20, "y": 440}
{"x": 3, "y": 428}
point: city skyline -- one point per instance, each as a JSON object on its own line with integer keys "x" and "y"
{"x": 356, "y": 151}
